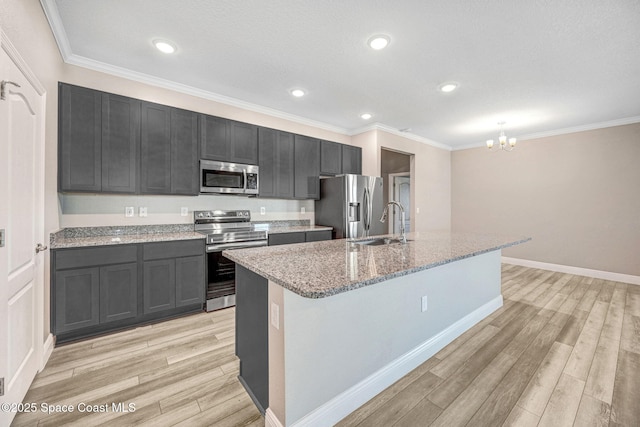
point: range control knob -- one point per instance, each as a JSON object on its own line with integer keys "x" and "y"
{"x": 200, "y": 214}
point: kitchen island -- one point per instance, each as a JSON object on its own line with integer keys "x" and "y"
{"x": 323, "y": 327}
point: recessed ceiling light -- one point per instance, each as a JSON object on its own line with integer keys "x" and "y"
{"x": 298, "y": 93}
{"x": 164, "y": 46}
{"x": 448, "y": 87}
{"x": 366, "y": 116}
{"x": 379, "y": 41}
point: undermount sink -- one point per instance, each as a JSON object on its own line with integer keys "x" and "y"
{"x": 378, "y": 241}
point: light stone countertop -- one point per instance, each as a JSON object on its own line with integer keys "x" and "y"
{"x": 123, "y": 239}
{"x": 322, "y": 269}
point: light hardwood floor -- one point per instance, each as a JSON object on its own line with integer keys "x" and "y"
{"x": 564, "y": 350}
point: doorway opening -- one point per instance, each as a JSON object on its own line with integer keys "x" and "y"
{"x": 395, "y": 168}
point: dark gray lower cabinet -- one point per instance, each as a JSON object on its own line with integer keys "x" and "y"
{"x": 77, "y": 302}
{"x": 118, "y": 292}
{"x": 159, "y": 288}
{"x": 173, "y": 274}
{"x": 252, "y": 335}
{"x": 104, "y": 288}
{"x": 299, "y": 237}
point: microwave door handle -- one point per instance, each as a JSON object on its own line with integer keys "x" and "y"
{"x": 244, "y": 174}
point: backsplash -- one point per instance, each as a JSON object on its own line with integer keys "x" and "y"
{"x": 91, "y": 210}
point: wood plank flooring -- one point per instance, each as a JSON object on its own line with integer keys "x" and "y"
{"x": 564, "y": 350}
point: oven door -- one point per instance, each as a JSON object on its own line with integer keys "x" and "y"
{"x": 221, "y": 273}
{"x": 228, "y": 178}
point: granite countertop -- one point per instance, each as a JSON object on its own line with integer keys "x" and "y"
{"x": 322, "y": 269}
{"x": 62, "y": 242}
{"x": 76, "y": 237}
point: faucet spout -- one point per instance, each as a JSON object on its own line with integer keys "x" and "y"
{"x": 383, "y": 218}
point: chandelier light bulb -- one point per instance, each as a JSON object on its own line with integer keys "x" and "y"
{"x": 502, "y": 140}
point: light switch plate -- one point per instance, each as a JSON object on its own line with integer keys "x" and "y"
{"x": 184, "y": 211}
{"x": 303, "y": 210}
{"x": 262, "y": 210}
{"x": 128, "y": 211}
{"x": 142, "y": 211}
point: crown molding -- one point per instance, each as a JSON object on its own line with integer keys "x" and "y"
{"x": 394, "y": 131}
{"x": 563, "y": 131}
{"x": 55, "y": 22}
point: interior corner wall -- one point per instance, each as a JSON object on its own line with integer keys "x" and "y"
{"x": 577, "y": 195}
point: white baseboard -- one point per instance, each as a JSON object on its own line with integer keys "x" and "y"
{"x": 579, "y": 271}
{"x": 350, "y": 400}
{"x": 270, "y": 420}
{"x": 48, "y": 345}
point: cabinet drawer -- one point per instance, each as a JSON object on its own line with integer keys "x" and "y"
{"x": 101, "y": 255}
{"x": 163, "y": 250}
{"x": 316, "y": 236}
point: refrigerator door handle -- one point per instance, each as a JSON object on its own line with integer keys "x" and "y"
{"x": 367, "y": 211}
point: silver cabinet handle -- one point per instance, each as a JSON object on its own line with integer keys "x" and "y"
{"x": 40, "y": 248}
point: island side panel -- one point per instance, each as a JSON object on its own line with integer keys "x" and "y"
{"x": 252, "y": 346}
{"x": 342, "y": 350}
{"x": 276, "y": 357}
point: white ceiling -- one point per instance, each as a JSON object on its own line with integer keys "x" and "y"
{"x": 541, "y": 66}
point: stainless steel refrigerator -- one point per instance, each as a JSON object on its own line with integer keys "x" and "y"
{"x": 352, "y": 205}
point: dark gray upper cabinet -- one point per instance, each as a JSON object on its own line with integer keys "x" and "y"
{"x": 79, "y": 139}
{"x": 169, "y": 150}
{"x": 275, "y": 159}
{"x": 98, "y": 141}
{"x": 330, "y": 158}
{"x": 307, "y": 168}
{"x": 184, "y": 152}
{"x": 351, "y": 159}
{"x": 155, "y": 149}
{"x": 120, "y": 142}
{"x": 228, "y": 141}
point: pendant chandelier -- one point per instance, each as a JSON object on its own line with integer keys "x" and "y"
{"x": 506, "y": 145}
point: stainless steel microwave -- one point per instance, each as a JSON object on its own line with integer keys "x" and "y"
{"x": 228, "y": 178}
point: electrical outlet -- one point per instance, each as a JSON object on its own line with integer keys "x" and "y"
{"x": 142, "y": 211}
{"x": 128, "y": 211}
{"x": 424, "y": 303}
{"x": 275, "y": 315}
{"x": 184, "y": 211}
{"x": 303, "y": 210}
{"x": 262, "y": 210}
{"x": 417, "y": 210}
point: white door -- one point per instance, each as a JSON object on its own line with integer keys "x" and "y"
{"x": 402, "y": 194}
{"x": 22, "y": 225}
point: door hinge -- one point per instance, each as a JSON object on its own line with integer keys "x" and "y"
{"x": 1, "y": 386}
{"x": 2, "y": 238}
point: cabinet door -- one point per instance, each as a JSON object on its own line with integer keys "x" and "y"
{"x": 118, "y": 292}
{"x": 243, "y": 141}
{"x": 120, "y": 142}
{"x": 330, "y": 158}
{"x": 184, "y": 152}
{"x": 276, "y": 163}
{"x": 307, "y": 168}
{"x": 155, "y": 146}
{"x": 77, "y": 299}
{"x": 190, "y": 285}
{"x": 351, "y": 159}
{"x": 159, "y": 285}
{"x": 214, "y": 138}
{"x": 79, "y": 139}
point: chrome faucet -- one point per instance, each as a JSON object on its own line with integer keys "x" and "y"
{"x": 403, "y": 238}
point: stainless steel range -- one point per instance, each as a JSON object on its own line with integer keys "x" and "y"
{"x": 225, "y": 230}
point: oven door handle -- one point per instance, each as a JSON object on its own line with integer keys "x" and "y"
{"x": 237, "y": 245}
